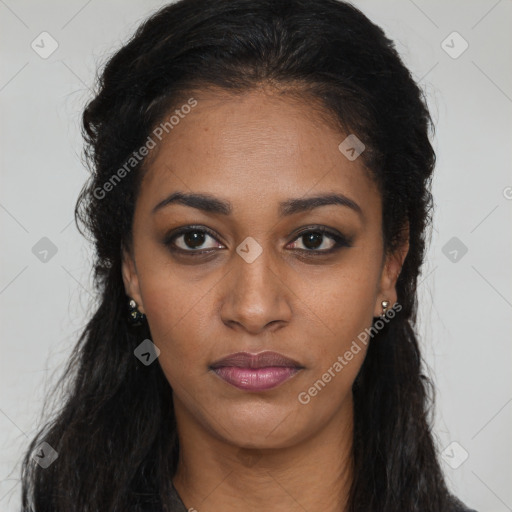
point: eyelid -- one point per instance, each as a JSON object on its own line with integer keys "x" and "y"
{"x": 340, "y": 239}
{"x": 170, "y": 237}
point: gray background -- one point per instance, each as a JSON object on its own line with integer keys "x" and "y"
{"x": 466, "y": 304}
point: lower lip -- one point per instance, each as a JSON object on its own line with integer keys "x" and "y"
{"x": 256, "y": 379}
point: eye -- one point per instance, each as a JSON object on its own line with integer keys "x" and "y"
{"x": 320, "y": 240}
{"x": 194, "y": 241}
{"x": 191, "y": 239}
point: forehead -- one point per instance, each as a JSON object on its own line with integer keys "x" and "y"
{"x": 254, "y": 145}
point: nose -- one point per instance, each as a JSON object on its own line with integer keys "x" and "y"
{"x": 256, "y": 296}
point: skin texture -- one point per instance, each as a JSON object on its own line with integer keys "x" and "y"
{"x": 243, "y": 450}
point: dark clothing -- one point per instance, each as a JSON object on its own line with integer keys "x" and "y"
{"x": 176, "y": 503}
{"x": 178, "y": 506}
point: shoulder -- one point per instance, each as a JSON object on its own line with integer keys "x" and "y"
{"x": 458, "y": 506}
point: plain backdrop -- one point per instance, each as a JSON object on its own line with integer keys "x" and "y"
{"x": 466, "y": 285}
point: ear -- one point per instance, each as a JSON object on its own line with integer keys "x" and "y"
{"x": 390, "y": 271}
{"x": 130, "y": 278}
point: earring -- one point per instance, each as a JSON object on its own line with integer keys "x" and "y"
{"x": 385, "y": 306}
{"x": 135, "y": 317}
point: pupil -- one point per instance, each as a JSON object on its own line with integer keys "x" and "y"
{"x": 194, "y": 238}
{"x": 312, "y": 237}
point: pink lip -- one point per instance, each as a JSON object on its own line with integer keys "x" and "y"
{"x": 261, "y": 360}
{"x": 256, "y": 372}
{"x": 256, "y": 379}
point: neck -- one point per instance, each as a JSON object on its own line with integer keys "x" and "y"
{"x": 314, "y": 474}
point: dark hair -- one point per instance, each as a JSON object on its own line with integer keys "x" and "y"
{"x": 115, "y": 432}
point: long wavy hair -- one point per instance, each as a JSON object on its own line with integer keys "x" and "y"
{"x": 115, "y": 430}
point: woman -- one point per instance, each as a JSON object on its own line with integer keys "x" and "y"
{"x": 259, "y": 200}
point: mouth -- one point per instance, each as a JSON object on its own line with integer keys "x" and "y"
{"x": 256, "y": 372}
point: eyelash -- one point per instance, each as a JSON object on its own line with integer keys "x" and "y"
{"x": 340, "y": 240}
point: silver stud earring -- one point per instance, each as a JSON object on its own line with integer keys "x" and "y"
{"x": 385, "y": 307}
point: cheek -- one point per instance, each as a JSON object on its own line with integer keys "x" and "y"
{"x": 342, "y": 313}
{"x": 341, "y": 300}
{"x": 338, "y": 307}
{"x": 179, "y": 314}
{"x": 350, "y": 307}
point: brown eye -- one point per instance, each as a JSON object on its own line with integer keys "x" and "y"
{"x": 191, "y": 239}
{"x": 320, "y": 240}
{"x": 194, "y": 239}
{"x": 315, "y": 240}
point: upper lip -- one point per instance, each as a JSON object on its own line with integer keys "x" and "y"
{"x": 261, "y": 360}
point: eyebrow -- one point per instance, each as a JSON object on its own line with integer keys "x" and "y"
{"x": 211, "y": 204}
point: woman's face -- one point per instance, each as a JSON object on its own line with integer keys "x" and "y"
{"x": 260, "y": 286}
